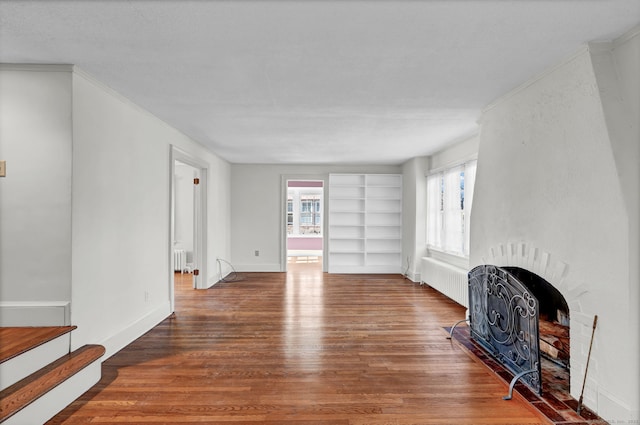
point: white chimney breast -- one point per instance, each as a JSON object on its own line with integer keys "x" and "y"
{"x": 547, "y": 184}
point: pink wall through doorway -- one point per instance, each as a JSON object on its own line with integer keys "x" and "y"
{"x": 302, "y": 243}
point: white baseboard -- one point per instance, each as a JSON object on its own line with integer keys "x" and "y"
{"x": 35, "y": 313}
{"x": 126, "y": 336}
{"x": 614, "y": 410}
{"x": 413, "y": 276}
{"x": 258, "y": 268}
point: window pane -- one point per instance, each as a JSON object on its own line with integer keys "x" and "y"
{"x": 434, "y": 208}
{"x": 453, "y": 219}
{"x": 310, "y": 214}
{"x": 449, "y": 199}
{"x": 470, "y": 170}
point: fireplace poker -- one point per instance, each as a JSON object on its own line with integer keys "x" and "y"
{"x": 584, "y": 381}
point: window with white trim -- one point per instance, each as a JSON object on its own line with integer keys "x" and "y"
{"x": 304, "y": 211}
{"x": 449, "y": 200}
{"x": 310, "y": 214}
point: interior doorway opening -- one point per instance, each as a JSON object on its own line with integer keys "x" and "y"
{"x": 305, "y": 222}
{"x": 188, "y": 234}
{"x": 184, "y": 232}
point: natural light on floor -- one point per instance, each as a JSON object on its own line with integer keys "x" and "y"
{"x": 304, "y": 259}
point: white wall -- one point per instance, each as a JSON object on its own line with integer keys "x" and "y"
{"x": 414, "y": 210}
{"x": 617, "y": 67}
{"x": 35, "y": 196}
{"x": 258, "y": 208}
{"x": 219, "y": 211}
{"x": 547, "y": 186}
{"x": 86, "y": 204}
{"x": 414, "y": 227}
{"x": 121, "y": 215}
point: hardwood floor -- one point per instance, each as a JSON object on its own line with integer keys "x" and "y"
{"x": 301, "y": 347}
{"x": 22, "y": 393}
{"x": 17, "y": 340}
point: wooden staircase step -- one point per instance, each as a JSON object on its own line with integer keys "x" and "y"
{"x": 24, "y": 392}
{"x": 17, "y": 340}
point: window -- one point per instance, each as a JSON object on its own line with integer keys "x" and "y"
{"x": 304, "y": 211}
{"x": 310, "y": 215}
{"x": 449, "y": 200}
{"x": 289, "y": 215}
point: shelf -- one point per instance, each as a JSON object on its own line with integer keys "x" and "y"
{"x": 383, "y": 259}
{"x": 347, "y": 192}
{"x": 383, "y": 245}
{"x": 346, "y": 245}
{"x": 347, "y": 251}
{"x": 393, "y": 180}
{"x": 342, "y": 262}
{"x": 365, "y": 223}
{"x": 346, "y": 179}
{"x": 348, "y": 212}
{"x": 384, "y": 205}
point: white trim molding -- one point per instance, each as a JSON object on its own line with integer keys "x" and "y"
{"x": 35, "y": 313}
{"x": 135, "y": 330}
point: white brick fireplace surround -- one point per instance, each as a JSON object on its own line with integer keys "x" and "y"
{"x": 557, "y": 190}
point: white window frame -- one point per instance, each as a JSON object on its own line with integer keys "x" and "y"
{"x": 448, "y": 225}
{"x": 295, "y": 197}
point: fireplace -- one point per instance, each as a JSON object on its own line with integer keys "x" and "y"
{"x": 553, "y": 316}
{"x": 556, "y": 193}
{"x": 518, "y": 317}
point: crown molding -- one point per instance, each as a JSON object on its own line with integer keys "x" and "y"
{"x": 594, "y": 47}
{"x": 583, "y": 50}
{"x": 35, "y": 67}
{"x": 633, "y": 32}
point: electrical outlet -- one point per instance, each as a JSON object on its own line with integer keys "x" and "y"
{"x": 257, "y": 253}
{"x": 146, "y": 296}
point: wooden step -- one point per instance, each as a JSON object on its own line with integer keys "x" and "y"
{"x": 18, "y": 340}
{"x": 22, "y": 393}
{"x": 24, "y": 350}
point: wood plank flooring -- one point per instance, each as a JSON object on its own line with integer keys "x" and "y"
{"x": 301, "y": 347}
{"x": 24, "y": 392}
{"x": 17, "y": 340}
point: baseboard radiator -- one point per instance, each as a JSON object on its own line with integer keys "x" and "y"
{"x": 448, "y": 279}
{"x": 179, "y": 260}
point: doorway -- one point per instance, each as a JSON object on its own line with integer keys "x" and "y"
{"x": 305, "y": 223}
{"x": 187, "y": 248}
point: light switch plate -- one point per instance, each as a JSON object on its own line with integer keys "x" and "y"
{"x": 3, "y": 168}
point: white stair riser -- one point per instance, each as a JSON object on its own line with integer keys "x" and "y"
{"x": 35, "y": 359}
{"x": 57, "y": 399}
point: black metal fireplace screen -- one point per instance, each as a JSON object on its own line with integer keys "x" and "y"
{"x": 503, "y": 318}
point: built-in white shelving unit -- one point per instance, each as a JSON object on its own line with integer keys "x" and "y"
{"x": 365, "y": 223}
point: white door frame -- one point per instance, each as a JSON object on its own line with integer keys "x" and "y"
{"x": 284, "y": 178}
{"x": 199, "y": 223}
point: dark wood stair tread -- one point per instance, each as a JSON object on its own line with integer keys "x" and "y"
{"x": 24, "y": 392}
{"x": 17, "y": 340}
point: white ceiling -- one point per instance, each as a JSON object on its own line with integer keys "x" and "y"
{"x": 312, "y": 81}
